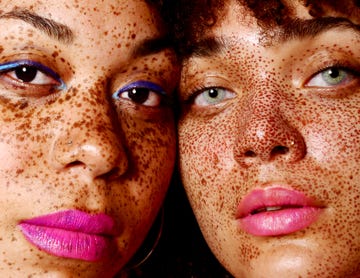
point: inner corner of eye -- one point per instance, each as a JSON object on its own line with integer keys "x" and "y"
{"x": 61, "y": 85}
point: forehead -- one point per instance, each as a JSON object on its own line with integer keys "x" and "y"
{"x": 86, "y": 16}
{"x": 282, "y": 19}
{"x": 243, "y": 24}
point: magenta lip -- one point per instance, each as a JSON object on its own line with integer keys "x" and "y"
{"x": 72, "y": 234}
{"x": 276, "y": 211}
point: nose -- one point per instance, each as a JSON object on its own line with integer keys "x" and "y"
{"x": 265, "y": 135}
{"x": 88, "y": 139}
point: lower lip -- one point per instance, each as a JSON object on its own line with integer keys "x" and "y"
{"x": 281, "y": 222}
{"x": 68, "y": 244}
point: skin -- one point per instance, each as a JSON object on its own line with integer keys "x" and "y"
{"x": 278, "y": 125}
{"x": 78, "y": 147}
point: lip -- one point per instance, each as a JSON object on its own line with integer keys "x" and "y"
{"x": 72, "y": 234}
{"x": 276, "y": 211}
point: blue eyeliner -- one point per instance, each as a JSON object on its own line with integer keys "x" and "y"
{"x": 15, "y": 64}
{"x": 141, "y": 84}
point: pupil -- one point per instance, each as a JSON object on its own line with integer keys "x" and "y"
{"x": 139, "y": 95}
{"x": 213, "y": 93}
{"x": 25, "y": 73}
{"x": 333, "y": 73}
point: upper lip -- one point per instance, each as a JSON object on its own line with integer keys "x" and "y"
{"x": 76, "y": 221}
{"x": 273, "y": 198}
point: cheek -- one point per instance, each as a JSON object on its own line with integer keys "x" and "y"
{"x": 206, "y": 152}
{"x": 210, "y": 176}
{"x": 9, "y": 158}
{"x": 206, "y": 144}
{"x": 151, "y": 149}
{"x": 16, "y": 149}
{"x": 335, "y": 143}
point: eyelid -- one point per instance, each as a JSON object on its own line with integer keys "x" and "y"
{"x": 201, "y": 88}
{"x": 9, "y": 66}
{"x": 143, "y": 84}
{"x": 350, "y": 69}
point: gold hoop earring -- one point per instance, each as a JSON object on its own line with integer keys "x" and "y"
{"x": 149, "y": 244}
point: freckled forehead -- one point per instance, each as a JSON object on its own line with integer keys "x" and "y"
{"x": 239, "y": 23}
{"x": 237, "y": 19}
{"x": 86, "y": 16}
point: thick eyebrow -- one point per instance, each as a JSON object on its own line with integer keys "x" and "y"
{"x": 52, "y": 28}
{"x": 151, "y": 46}
{"x": 298, "y": 29}
{"x": 295, "y": 29}
{"x": 205, "y": 48}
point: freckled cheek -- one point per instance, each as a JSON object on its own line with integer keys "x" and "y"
{"x": 207, "y": 169}
{"x": 9, "y": 157}
{"x": 152, "y": 147}
{"x": 205, "y": 149}
{"x": 330, "y": 147}
{"x": 15, "y": 151}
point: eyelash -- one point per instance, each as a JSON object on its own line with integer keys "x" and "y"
{"x": 349, "y": 69}
{"x": 142, "y": 87}
{"x": 37, "y": 68}
{"x": 201, "y": 88}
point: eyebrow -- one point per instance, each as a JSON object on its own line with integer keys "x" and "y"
{"x": 298, "y": 29}
{"x": 295, "y": 29}
{"x": 53, "y": 29}
{"x": 151, "y": 46}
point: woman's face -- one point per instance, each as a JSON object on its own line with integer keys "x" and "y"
{"x": 269, "y": 145}
{"x": 87, "y": 136}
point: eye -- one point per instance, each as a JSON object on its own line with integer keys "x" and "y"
{"x": 142, "y": 92}
{"x": 30, "y": 73}
{"x": 332, "y": 76}
{"x": 212, "y": 96}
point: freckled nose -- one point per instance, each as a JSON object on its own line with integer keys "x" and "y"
{"x": 264, "y": 135}
{"x": 91, "y": 144}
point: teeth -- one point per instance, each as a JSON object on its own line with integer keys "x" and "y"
{"x": 273, "y": 208}
{"x": 266, "y": 209}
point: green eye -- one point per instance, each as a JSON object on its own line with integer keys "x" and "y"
{"x": 332, "y": 76}
{"x": 213, "y": 96}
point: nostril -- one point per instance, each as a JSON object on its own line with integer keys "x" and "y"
{"x": 250, "y": 154}
{"x": 112, "y": 174}
{"x": 279, "y": 150}
{"x": 74, "y": 163}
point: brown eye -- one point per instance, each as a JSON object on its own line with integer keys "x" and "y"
{"x": 25, "y": 73}
{"x": 31, "y": 73}
{"x": 142, "y": 92}
{"x": 139, "y": 95}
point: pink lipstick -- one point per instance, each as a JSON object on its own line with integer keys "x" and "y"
{"x": 276, "y": 211}
{"x": 72, "y": 234}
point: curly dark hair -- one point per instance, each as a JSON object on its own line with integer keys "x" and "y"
{"x": 191, "y": 18}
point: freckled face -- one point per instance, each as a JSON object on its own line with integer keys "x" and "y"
{"x": 86, "y": 128}
{"x": 264, "y": 118}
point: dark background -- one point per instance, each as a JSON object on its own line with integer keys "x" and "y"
{"x": 182, "y": 251}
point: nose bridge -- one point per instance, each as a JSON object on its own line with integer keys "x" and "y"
{"x": 264, "y": 132}
{"x": 89, "y": 135}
